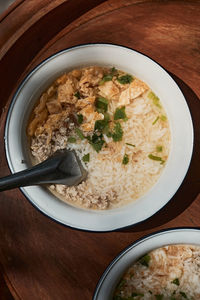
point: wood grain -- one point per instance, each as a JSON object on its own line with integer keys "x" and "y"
{"x": 42, "y": 259}
{"x": 4, "y": 291}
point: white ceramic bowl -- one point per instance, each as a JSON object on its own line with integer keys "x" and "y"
{"x": 161, "y": 83}
{"x": 125, "y": 259}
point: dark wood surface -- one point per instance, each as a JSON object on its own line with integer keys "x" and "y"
{"x": 40, "y": 259}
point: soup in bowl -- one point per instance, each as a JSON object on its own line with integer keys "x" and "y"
{"x": 162, "y": 266}
{"x": 126, "y": 119}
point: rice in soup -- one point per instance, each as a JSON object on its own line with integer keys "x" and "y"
{"x": 168, "y": 273}
{"x": 117, "y": 126}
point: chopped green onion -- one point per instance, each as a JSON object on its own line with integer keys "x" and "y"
{"x": 130, "y": 144}
{"x": 113, "y": 71}
{"x": 77, "y": 95}
{"x": 109, "y": 134}
{"x": 145, "y": 260}
{"x": 106, "y": 121}
{"x": 154, "y": 157}
{"x": 80, "y": 119}
{"x": 155, "y": 99}
{"x": 121, "y": 284}
{"x": 125, "y": 159}
{"x": 136, "y": 295}
{"x": 102, "y": 125}
{"x": 120, "y": 114}
{"x": 131, "y": 275}
{"x": 99, "y": 125}
{"x": 154, "y": 122}
{"x": 183, "y": 295}
{"x": 96, "y": 141}
{"x": 176, "y": 281}
{"x": 174, "y": 292}
{"x": 124, "y": 79}
{"x": 71, "y": 139}
{"x": 150, "y": 292}
{"x": 106, "y": 116}
{"x": 86, "y": 157}
{"x": 118, "y": 132}
{"x": 163, "y": 118}
{"x": 159, "y": 148}
{"x": 79, "y": 133}
{"x": 106, "y": 78}
{"x": 101, "y": 104}
{"x": 159, "y": 297}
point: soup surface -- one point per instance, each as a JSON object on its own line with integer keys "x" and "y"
{"x": 117, "y": 126}
{"x": 168, "y": 273}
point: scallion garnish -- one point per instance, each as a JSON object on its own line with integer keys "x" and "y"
{"x": 154, "y": 157}
{"x": 109, "y": 134}
{"x": 159, "y": 297}
{"x": 113, "y": 71}
{"x": 105, "y": 78}
{"x": 121, "y": 284}
{"x": 183, "y": 295}
{"x": 125, "y": 159}
{"x": 100, "y": 125}
{"x": 163, "y": 118}
{"x": 154, "y": 122}
{"x": 150, "y": 292}
{"x": 124, "y": 79}
{"x": 103, "y": 125}
{"x": 101, "y": 104}
{"x": 120, "y": 114}
{"x": 79, "y": 133}
{"x": 136, "y": 295}
{"x": 176, "y": 281}
{"x": 155, "y": 99}
{"x": 159, "y": 149}
{"x": 80, "y": 118}
{"x": 172, "y": 296}
{"x": 96, "y": 141}
{"x": 131, "y": 275}
{"x": 118, "y": 132}
{"x": 86, "y": 157}
{"x": 71, "y": 139}
{"x": 144, "y": 260}
{"x": 77, "y": 95}
{"x": 130, "y": 144}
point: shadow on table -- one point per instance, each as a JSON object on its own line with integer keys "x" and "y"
{"x": 4, "y": 291}
{"x": 190, "y": 187}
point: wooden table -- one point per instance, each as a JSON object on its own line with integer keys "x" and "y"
{"x": 40, "y": 259}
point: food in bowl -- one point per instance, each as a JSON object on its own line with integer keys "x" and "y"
{"x": 117, "y": 126}
{"x": 171, "y": 272}
{"x": 172, "y": 255}
{"x": 178, "y": 116}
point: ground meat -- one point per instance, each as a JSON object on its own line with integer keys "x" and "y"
{"x": 86, "y": 197}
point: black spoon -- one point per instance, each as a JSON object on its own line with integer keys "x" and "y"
{"x": 63, "y": 167}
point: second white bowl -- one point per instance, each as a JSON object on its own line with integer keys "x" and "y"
{"x": 114, "y": 272}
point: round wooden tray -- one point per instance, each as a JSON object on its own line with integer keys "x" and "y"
{"x": 39, "y": 258}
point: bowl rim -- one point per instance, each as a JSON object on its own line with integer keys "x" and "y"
{"x": 133, "y": 245}
{"x": 14, "y": 98}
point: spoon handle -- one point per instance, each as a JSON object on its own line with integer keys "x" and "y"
{"x": 44, "y": 172}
